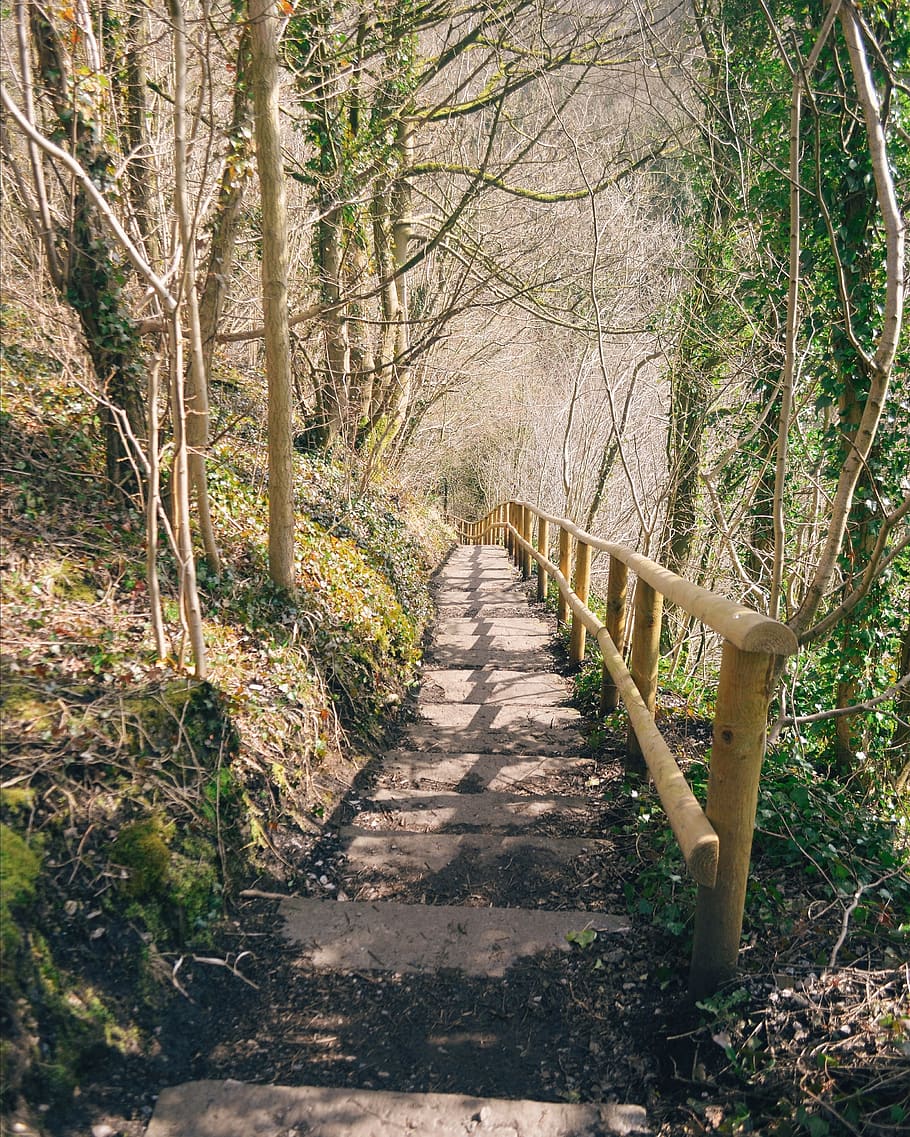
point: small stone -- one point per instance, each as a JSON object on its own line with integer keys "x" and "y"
{"x": 103, "y": 1130}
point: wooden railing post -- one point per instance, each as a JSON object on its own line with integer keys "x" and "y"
{"x": 615, "y": 622}
{"x": 565, "y": 567}
{"x": 740, "y": 722}
{"x": 581, "y": 588}
{"x": 643, "y": 660}
{"x": 543, "y": 546}
{"x": 525, "y": 556}
{"x": 510, "y": 539}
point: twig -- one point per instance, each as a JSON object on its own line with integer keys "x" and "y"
{"x": 260, "y": 895}
{"x": 232, "y": 967}
{"x": 851, "y": 908}
{"x": 855, "y": 709}
{"x": 176, "y": 981}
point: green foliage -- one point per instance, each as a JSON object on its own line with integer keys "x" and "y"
{"x": 844, "y": 841}
{"x": 739, "y": 299}
{"x": 815, "y": 839}
{"x": 20, "y": 866}
{"x": 363, "y": 570}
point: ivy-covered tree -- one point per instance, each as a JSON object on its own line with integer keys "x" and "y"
{"x": 813, "y": 486}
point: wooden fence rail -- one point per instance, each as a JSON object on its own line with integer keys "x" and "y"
{"x": 716, "y": 842}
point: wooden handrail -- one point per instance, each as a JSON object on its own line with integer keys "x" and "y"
{"x": 693, "y": 831}
{"x": 716, "y": 842}
{"x": 749, "y": 630}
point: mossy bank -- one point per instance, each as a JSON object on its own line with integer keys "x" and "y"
{"x": 137, "y": 801}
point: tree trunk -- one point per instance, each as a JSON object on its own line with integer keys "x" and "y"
{"x": 265, "y": 83}
{"x": 900, "y": 740}
{"x": 197, "y": 391}
{"x": 225, "y": 223}
{"x": 93, "y": 274}
{"x": 125, "y": 34}
{"x": 331, "y": 388}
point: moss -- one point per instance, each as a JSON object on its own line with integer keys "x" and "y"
{"x": 75, "y": 1024}
{"x": 22, "y": 704}
{"x": 17, "y": 800}
{"x": 70, "y": 583}
{"x": 143, "y": 848}
{"x": 174, "y": 886}
{"x": 194, "y": 887}
{"x": 20, "y": 867}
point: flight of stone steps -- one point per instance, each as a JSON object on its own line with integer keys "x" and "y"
{"x": 458, "y": 827}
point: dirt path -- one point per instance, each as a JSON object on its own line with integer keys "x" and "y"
{"x": 425, "y": 984}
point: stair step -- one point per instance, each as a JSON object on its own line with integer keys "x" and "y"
{"x": 233, "y": 1109}
{"x": 479, "y": 579}
{"x": 429, "y": 811}
{"x": 498, "y": 716}
{"x": 513, "y": 595}
{"x": 499, "y": 728}
{"x": 470, "y": 626}
{"x": 477, "y": 852}
{"x": 475, "y": 772}
{"x": 491, "y": 686}
{"x": 392, "y": 937}
{"x": 511, "y": 654}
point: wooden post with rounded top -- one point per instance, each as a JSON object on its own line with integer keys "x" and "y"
{"x": 649, "y": 604}
{"x": 510, "y": 539}
{"x": 524, "y": 554}
{"x": 581, "y": 587}
{"x": 615, "y": 623}
{"x": 565, "y": 567}
{"x": 543, "y": 546}
{"x": 740, "y": 722}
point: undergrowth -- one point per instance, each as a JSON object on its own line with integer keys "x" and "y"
{"x": 813, "y": 1037}
{"x": 136, "y": 800}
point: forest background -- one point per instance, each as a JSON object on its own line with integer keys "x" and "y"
{"x": 643, "y": 265}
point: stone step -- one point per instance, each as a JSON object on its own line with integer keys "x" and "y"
{"x": 514, "y": 594}
{"x": 498, "y": 728}
{"x": 499, "y": 716}
{"x": 466, "y": 576}
{"x": 491, "y": 686}
{"x": 233, "y": 1109}
{"x": 474, "y": 772}
{"x": 334, "y": 935}
{"x": 533, "y": 654}
{"x": 427, "y": 811}
{"x": 495, "y": 626}
{"x": 475, "y": 853}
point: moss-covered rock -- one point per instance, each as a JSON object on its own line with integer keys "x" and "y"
{"x": 20, "y": 866}
{"x": 143, "y": 849}
{"x": 172, "y": 880}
